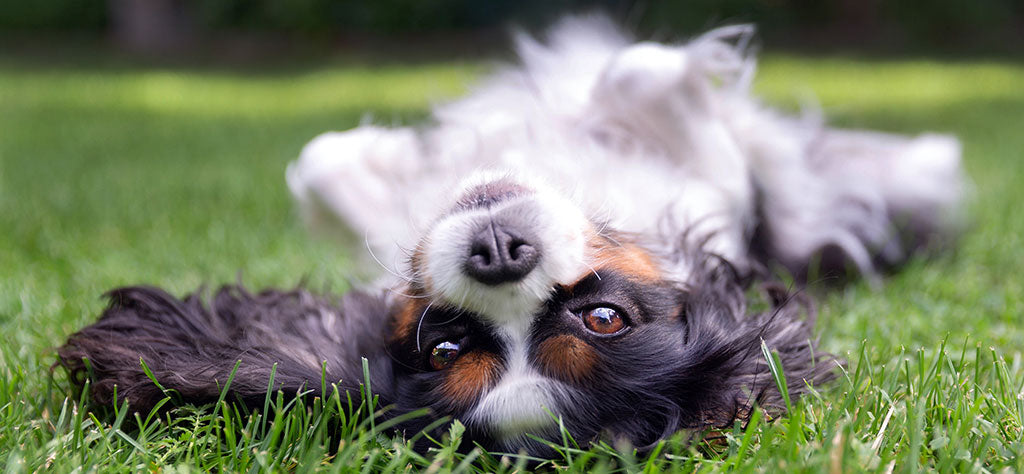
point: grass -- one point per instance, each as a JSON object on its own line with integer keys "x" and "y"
{"x": 119, "y": 174}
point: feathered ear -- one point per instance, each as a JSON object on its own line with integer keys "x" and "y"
{"x": 728, "y": 372}
{"x": 192, "y": 349}
{"x": 786, "y": 332}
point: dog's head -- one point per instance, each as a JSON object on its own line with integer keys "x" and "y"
{"x": 521, "y": 310}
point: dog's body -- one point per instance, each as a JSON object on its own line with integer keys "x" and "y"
{"x": 650, "y": 139}
{"x": 580, "y": 234}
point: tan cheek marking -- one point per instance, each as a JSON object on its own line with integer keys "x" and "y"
{"x": 406, "y": 318}
{"x": 412, "y": 310}
{"x": 626, "y": 259}
{"x": 567, "y": 358}
{"x": 469, "y": 376}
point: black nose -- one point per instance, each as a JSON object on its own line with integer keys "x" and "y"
{"x": 500, "y": 254}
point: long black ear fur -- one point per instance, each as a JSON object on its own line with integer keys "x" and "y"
{"x": 724, "y": 372}
{"x": 786, "y": 332}
{"x": 192, "y": 348}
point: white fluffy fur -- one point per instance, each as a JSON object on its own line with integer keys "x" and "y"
{"x": 559, "y": 225}
{"x": 522, "y": 399}
{"x": 651, "y": 138}
{"x": 661, "y": 140}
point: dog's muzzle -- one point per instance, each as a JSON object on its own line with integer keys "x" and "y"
{"x": 502, "y": 247}
{"x": 501, "y": 252}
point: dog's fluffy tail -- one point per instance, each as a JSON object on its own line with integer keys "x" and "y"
{"x": 191, "y": 349}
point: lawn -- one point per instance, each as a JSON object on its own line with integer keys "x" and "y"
{"x": 118, "y": 174}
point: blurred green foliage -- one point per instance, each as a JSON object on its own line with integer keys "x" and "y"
{"x": 114, "y": 174}
{"x": 926, "y": 22}
{"x": 53, "y": 15}
{"x": 383, "y": 16}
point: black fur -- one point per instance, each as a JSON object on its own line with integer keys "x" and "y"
{"x": 191, "y": 348}
{"x": 692, "y": 360}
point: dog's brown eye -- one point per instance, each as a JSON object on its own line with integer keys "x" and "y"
{"x": 603, "y": 320}
{"x": 444, "y": 354}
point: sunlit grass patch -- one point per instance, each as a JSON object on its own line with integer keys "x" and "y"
{"x": 122, "y": 175}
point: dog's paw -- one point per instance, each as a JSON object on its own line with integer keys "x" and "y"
{"x": 642, "y": 74}
{"x": 926, "y": 174}
{"x": 353, "y": 174}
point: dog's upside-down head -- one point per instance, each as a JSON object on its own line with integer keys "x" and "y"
{"x": 517, "y": 307}
{"x": 519, "y": 310}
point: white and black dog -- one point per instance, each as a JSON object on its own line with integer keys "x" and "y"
{"x": 578, "y": 236}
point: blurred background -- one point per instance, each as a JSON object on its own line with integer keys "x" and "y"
{"x": 145, "y": 141}
{"x": 165, "y": 26}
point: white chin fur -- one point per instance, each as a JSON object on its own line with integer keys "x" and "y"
{"x": 523, "y": 401}
{"x": 516, "y": 406}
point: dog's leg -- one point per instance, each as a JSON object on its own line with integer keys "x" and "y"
{"x": 362, "y": 176}
{"x": 191, "y": 349}
{"x": 839, "y": 196}
{"x": 857, "y": 197}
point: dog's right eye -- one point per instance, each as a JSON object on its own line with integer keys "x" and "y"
{"x": 444, "y": 354}
{"x": 604, "y": 320}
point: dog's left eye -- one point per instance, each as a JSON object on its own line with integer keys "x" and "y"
{"x": 444, "y": 354}
{"x": 603, "y": 320}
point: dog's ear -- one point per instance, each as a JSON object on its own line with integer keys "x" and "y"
{"x": 727, "y": 372}
{"x": 786, "y": 331}
{"x": 191, "y": 349}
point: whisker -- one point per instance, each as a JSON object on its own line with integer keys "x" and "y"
{"x": 602, "y": 209}
{"x": 407, "y": 251}
{"x": 605, "y": 219}
{"x": 419, "y": 325}
{"x": 604, "y": 226}
{"x": 415, "y": 297}
{"x": 609, "y": 237}
{"x": 458, "y": 314}
{"x": 410, "y": 277}
{"x": 592, "y": 270}
{"x": 366, "y": 241}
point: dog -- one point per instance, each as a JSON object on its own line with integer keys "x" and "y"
{"x": 571, "y": 244}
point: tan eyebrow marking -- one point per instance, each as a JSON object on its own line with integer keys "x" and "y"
{"x": 627, "y": 259}
{"x": 407, "y": 317}
{"x": 567, "y": 357}
{"x": 469, "y": 376}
